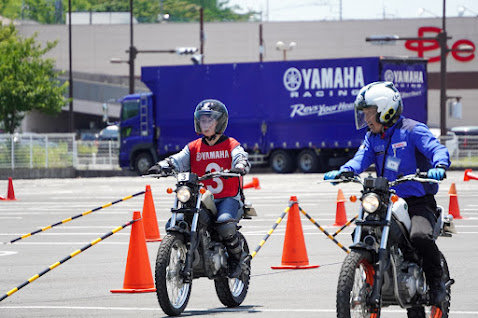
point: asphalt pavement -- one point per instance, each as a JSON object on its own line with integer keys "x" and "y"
{"x": 81, "y": 286}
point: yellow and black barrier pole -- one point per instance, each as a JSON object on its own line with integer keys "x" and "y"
{"x": 75, "y": 217}
{"x": 345, "y": 225}
{"x": 261, "y": 243}
{"x": 324, "y": 231}
{"x": 52, "y": 266}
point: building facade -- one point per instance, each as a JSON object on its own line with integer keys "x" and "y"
{"x": 97, "y": 81}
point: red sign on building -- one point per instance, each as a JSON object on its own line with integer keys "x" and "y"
{"x": 422, "y": 46}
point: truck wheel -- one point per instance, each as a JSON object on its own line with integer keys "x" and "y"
{"x": 308, "y": 161}
{"x": 142, "y": 163}
{"x": 282, "y": 161}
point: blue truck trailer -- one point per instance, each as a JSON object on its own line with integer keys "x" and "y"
{"x": 287, "y": 114}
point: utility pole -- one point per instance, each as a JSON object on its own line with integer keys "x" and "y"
{"x": 71, "y": 125}
{"x": 132, "y": 49}
{"x": 442, "y": 39}
{"x": 261, "y": 44}
{"x": 201, "y": 34}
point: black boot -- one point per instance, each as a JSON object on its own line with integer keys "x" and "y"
{"x": 236, "y": 264}
{"x": 236, "y": 256}
{"x": 437, "y": 292}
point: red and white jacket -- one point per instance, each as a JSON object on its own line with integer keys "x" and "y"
{"x": 214, "y": 158}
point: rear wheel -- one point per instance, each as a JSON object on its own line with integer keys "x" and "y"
{"x": 308, "y": 161}
{"x": 445, "y": 307}
{"x": 436, "y": 312}
{"x": 282, "y": 161}
{"x": 172, "y": 292}
{"x": 355, "y": 285}
{"x": 232, "y": 291}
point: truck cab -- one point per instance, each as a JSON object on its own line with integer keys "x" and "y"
{"x": 137, "y": 136}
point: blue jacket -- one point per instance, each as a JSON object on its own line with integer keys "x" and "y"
{"x": 402, "y": 149}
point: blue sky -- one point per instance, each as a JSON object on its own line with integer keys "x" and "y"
{"x": 310, "y": 10}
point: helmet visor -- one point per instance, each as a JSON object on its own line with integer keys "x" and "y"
{"x": 206, "y": 122}
{"x": 360, "y": 121}
{"x": 207, "y": 112}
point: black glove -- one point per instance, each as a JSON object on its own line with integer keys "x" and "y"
{"x": 240, "y": 171}
{"x": 155, "y": 169}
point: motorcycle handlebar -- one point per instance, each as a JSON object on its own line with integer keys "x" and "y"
{"x": 349, "y": 176}
{"x": 219, "y": 174}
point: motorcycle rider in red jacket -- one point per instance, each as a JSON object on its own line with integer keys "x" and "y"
{"x": 215, "y": 152}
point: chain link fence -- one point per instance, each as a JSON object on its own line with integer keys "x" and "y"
{"x": 63, "y": 151}
{"x": 57, "y": 151}
{"x": 463, "y": 150}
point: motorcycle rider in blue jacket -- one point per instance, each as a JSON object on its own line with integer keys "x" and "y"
{"x": 399, "y": 146}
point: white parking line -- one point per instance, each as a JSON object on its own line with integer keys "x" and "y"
{"x": 6, "y": 253}
{"x": 213, "y": 310}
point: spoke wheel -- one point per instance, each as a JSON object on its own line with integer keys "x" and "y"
{"x": 173, "y": 294}
{"x": 232, "y": 291}
{"x": 355, "y": 285}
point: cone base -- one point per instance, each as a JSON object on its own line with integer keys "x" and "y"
{"x": 339, "y": 224}
{"x": 295, "y": 266}
{"x": 159, "y": 239}
{"x": 134, "y": 290}
{"x": 459, "y": 217}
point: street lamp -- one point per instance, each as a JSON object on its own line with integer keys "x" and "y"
{"x": 421, "y": 11}
{"x": 463, "y": 9}
{"x": 281, "y": 46}
{"x": 441, "y": 38}
{"x": 130, "y": 61}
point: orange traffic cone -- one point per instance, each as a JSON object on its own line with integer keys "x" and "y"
{"x": 340, "y": 214}
{"x": 454, "y": 208}
{"x": 469, "y": 175}
{"x": 138, "y": 277}
{"x": 253, "y": 184}
{"x": 294, "y": 253}
{"x": 10, "y": 193}
{"x": 151, "y": 230}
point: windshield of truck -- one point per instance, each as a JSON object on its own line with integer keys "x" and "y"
{"x": 130, "y": 108}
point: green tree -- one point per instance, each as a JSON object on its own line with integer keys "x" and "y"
{"x": 145, "y": 11}
{"x": 28, "y": 81}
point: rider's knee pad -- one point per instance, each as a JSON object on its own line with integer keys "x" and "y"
{"x": 421, "y": 240}
{"x": 227, "y": 231}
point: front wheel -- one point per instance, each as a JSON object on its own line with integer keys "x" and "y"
{"x": 142, "y": 163}
{"x": 172, "y": 292}
{"x": 355, "y": 285}
{"x": 232, "y": 291}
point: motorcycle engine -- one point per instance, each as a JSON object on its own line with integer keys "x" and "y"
{"x": 410, "y": 279}
{"x": 215, "y": 259}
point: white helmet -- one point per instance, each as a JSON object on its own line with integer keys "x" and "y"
{"x": 382, "y": 95}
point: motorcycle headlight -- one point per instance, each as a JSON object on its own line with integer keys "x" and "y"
{"x": 183, "y": 194}
{"x": 370, "y": 202}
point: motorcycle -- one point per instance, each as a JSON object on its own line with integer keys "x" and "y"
{"x": 192, "y": 248}
{"x": 383, "y": 269}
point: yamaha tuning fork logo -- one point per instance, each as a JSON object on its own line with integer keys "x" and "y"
{"x": 292, "y": 79}
{"x": 323, "y": 81}
{"x": 404, "y": 78}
